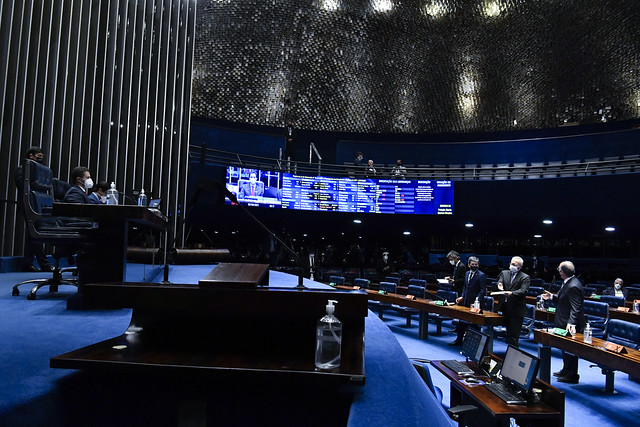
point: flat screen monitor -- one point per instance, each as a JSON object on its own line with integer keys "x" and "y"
{"x": 474, "y": 345}
{"x": 520, "y": 368}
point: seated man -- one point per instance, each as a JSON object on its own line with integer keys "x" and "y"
{"x": 253, "y": 188}
{"x": 617, "y": 289}
{"x": 80, "y": 182}
{"x": 99, "y": 194}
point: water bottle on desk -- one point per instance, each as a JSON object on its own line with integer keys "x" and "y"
{"x": 476, "y": 304}
{"x": 636, "y": 307}
{"x": 587, "y": 334}
{"x": 112, "y": 195}
{"x": 142, "y": 198}
{"x": 328, "y": 340}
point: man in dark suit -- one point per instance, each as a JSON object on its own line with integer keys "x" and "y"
{"x": 459, "y": 272}
{"x": 569, "y": 316}
{"x": 99, "y": 195}
{"x": 253, "y": 188}
{"x": 475, "y": 286}
{"x": 617, "y": 289}
{"x": 80, "y": 182}
{"x": 515, "y": 283}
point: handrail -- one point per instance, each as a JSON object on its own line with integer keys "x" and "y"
{"x": 533, "y": 170}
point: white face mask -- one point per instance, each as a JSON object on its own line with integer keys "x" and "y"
{"x": 513, "y": 268}
{"x": 452, "y": 262}
{"x": 252, "y": 180}
{"x": 103, "y": 199}
{"x": 88, "y": 183}
{"x": 617, "y": 286}
{"x": 385, "y": 257}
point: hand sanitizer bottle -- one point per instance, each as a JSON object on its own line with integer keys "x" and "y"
{"x": 328, "y": 340}
{"x": 142, "y": 198}
{"x": 587, "y": 334}
{"x": 112, "y": 195}
{"x": 476, "y": 304}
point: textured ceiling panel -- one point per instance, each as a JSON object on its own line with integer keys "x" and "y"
{"x": 417, "y": 66}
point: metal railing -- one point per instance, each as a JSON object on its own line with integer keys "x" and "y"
{"x": 460, "y": 172}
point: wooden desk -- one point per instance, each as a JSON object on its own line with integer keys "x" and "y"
{"x": 225, "y": 333}
{"x": 550, "y": 411}
{"x": 594, "y": 352}
{"x": 485, "y": 319}
{"x": 105, "y": 260}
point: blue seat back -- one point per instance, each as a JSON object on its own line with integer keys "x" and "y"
{"x": 445, "y": 286}
{"x": 363, "y": 283}
{"x": 633, "y": 293}
{"x": 392, "y": 279}
{"x": 613, "y": 301}
{"x": 488, "y": 303}
{"x": 624, "y": 333}
{"x": 417, "y": 291}
{"x": 534, "y": 291}
{"x": 450, "y": 296}
{"x": 418, "y": 282}
{"x": 338, "y": 280}
{"x": 596, "y": 309}
{"x": 390, "y": 287}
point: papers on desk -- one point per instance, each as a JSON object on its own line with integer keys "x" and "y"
{"x": 498, "y": 293}
{"x": 443, "y": 281}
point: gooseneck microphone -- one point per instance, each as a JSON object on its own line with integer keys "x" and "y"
{"x": 234, "y": 200}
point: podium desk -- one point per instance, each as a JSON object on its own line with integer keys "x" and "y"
{"x": 189, "y": 330}
{"x": 105, "y": 259}
{"x": 494, "y": 411}
{"x": 595, "y": 352}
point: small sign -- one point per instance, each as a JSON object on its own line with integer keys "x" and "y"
{"x": 475, "y": 310}
{"x": 625, "y": 309}
{"x": 356, "y": 287}
{"x": 410, "y": 297}
{"x": 382, "y": 292}
{"x": 615, "y": 348}
{"x": 561, "y": 332}
{"x": 551, "y": 309}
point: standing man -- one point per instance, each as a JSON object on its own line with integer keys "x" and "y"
{"x": 475, "y": 286}
{"x": 515, "y": 283}
{"x": 81, "y": 182}
{"x": 569, "y": 316}
{"x": 459, "y": 271}
{"x": 31, "y": 248}
{"x": 289, "y": 140}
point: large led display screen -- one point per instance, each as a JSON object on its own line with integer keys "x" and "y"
{"x": 254, "y": 187}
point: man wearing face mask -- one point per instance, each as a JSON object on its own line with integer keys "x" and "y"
{"x": 99, "y": 194}
{"x": 569, "y": 316}
{"x": 617, "y": 290}
{"x": 384, "y": 265}
{"x": 475, "y": 286}
{"x": 459, "y": 272}
{"x": 31, "y": 249}
{"x": 253, "y": 188}
{"x": 515, "y": 284}
{"x": 80, "y": 182}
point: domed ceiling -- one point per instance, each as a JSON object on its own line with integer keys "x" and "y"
{"x": 417, "y": 66}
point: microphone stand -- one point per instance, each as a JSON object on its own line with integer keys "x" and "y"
{"x": 234, "y": 200}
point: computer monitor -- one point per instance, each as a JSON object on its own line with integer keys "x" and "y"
{"x": 155, "y": 203}
{"x": 520, "y": 368}
{"x": 474, "y": 345}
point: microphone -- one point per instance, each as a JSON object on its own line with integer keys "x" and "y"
{"x": 126, "y": 197}
{"x": 234, "y": 200}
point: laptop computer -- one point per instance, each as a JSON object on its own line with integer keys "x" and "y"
{"x": 155, "y": 203}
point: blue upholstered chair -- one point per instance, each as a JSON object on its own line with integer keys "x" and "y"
{"x": 597, "y": 314}
{"x": 613, "y": 301}
{"x": 392, "y": 279}
{"x": 363, "y": 283}
{"x": 437, "y": 319}
{"x": 336, "y": 280}
{"x": 623, "y": 333}
{"x": 407, "y": 312}
{"x": 534, "y": 291}
{"x": 379, "y": 306}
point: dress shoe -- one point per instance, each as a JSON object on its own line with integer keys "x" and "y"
{"x": 456, "y": 342}
{"x": 47, "y": 268}
{"x": 570, "y": 379}
{"x": 29, "y": 269}
{"x": 560, "y": 373}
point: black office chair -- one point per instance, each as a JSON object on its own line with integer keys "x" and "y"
{"x": 66, "y": 234}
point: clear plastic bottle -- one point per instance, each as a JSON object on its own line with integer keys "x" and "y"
{"x": 112, "y": 195}
{"x": 636, "y": 307}
{"x": 142, "y": 198}
{"x": 587, "y": 334}
{"x": 476, "y": 304}
{"x": 329, "y": 340}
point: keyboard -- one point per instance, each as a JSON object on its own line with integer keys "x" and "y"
{"x": 505, "y": 394}
{"x": 457, "y": 367}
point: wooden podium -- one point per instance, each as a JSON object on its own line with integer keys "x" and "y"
{"x": 225, "y": 331}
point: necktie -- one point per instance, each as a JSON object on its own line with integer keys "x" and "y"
{"x": 470, "y": 276}
{"x": 513, "y": 275}
{"x": 253, "y": 189}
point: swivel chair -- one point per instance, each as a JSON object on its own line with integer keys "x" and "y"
{"x": 66, "y": 234}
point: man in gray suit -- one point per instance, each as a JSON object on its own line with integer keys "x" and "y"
{"x": 569, "y": 316}
{"x": 515, "y": 284}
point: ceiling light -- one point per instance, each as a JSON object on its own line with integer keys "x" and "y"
{"x": 547, "y": 221}
{"x": 406, "y": 233}
{"x": 469, "y": 225}
{"x": 357, "y": 221}
{"x": 610, "y": 228}
{"x": 538, "y": 236}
